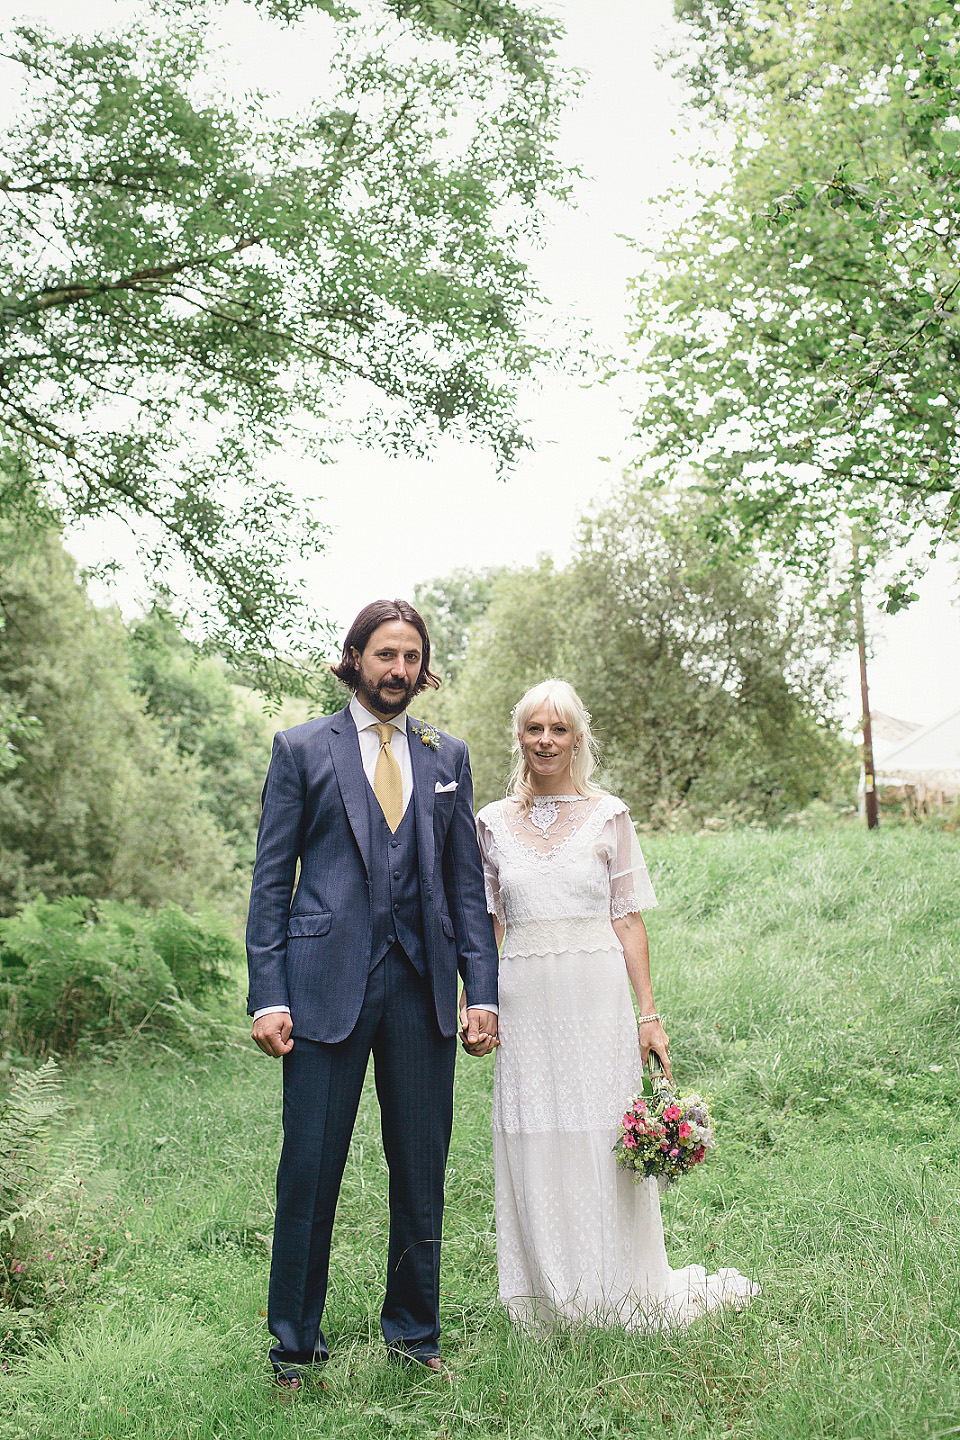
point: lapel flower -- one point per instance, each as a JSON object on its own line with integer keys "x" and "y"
{"x": 429, "y": 734}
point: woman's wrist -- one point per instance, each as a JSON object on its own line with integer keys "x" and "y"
{"x": 648, "y": 1019}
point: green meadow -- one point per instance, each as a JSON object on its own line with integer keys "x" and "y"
{"x": 812, "y": 987}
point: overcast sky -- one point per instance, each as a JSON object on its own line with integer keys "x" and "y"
{"x": 396, "y": 522}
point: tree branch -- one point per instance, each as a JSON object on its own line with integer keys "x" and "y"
{"x": 49, "y": 298}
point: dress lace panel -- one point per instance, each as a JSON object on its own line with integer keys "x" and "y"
{"x": 557, "y": 875}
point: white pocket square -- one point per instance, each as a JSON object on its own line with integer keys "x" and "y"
{"x": 439, "y": 789}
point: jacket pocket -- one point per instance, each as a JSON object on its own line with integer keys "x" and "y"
{"x": 447, "y": 926}
{"x": 300, "y": 927}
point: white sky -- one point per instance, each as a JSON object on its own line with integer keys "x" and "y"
{"x": 396, "y": 522}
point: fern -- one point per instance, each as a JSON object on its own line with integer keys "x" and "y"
{"x": 36, "y": 1177}
{"x": 34, "y": 1103}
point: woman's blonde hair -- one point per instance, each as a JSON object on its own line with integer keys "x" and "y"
{"x": 566, "y": 705}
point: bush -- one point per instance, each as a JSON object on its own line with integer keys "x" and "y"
{"x": 200, "y": 953}
{"x": 77, "y": 973}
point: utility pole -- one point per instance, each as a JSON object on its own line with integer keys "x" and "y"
{"x": 869, "y": 783}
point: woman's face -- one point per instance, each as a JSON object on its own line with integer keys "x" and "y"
{"x": 547, "y": 743}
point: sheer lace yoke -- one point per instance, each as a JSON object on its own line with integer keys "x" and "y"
{"x": 551, "y": 824}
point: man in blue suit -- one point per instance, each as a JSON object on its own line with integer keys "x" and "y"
{"x": 362, "y": 957}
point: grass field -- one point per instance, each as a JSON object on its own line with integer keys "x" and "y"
{"x": 811, "y": 985}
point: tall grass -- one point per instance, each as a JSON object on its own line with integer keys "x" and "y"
{"x": 811, "y": 985}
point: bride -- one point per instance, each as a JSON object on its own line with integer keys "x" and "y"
{"x": 577, "y": 1238}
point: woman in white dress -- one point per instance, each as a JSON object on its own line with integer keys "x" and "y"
{"x": 577, "y": 1238}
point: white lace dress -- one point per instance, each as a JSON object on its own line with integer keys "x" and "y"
{"x": 577, "y": 1238}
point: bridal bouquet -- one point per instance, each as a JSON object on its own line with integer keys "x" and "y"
{"x": 662, "y": 1134}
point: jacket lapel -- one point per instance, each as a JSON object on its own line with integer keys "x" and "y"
{"x": 423, "y": 762}
{"x": 345, "y": 754}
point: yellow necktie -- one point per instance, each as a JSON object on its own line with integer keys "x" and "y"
{"x": 387, "y": 780}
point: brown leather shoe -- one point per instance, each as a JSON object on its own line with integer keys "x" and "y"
{"x": 289, "y": 1386}
{"x": 436, "y": 1363}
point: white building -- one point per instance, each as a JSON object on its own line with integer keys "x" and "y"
{"x": 921, "y": 762}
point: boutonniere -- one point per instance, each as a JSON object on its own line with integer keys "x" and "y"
{"x": 429, "y": 735}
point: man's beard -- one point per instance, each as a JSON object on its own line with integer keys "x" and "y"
{"x": 387, "y": 698}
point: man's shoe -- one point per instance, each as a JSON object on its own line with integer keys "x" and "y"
{"x": 289, "y": 1386}
{"x": 436, "y": 1363}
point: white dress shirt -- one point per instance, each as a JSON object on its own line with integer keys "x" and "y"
{"x": 370, "y": 745}
{"x": 369, "y": 750}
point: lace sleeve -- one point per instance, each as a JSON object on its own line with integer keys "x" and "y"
{"x": 491, "y": 875}
{"x": 630, "y": 886}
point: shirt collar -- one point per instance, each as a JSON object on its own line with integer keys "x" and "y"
{"x": 363, "y": 718}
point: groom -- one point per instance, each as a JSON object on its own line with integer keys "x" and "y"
{"x": 362, "y": 956}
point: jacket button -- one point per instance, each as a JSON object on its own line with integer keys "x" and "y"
{"x": 390, "y": 940}
{"x": 394, "y": 844}
{"x": 396, "y": 905}
{"x": 396, "y": 874}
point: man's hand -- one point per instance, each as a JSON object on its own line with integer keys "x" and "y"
{"x": 272, "y": 1033}
{"x": 478, "y": 1031}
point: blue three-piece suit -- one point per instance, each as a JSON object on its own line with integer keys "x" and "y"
{"x": 365, "y": 952}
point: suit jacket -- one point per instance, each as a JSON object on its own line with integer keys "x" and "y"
{"x": 311, "y": 949}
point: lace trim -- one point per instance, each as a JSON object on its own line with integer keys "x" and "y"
{"x": 561, "y": 935}
{"x": 641, "y": 897}
{"x": 494, "y": 907}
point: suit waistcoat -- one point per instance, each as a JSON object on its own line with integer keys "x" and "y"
{"x": 395, "y": 886}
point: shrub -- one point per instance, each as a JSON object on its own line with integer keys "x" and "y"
{"x": 76, "y": 973}
{"x": 199, "y": 951}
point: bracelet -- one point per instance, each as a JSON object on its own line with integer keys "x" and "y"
{"x": 645, "y": 1019}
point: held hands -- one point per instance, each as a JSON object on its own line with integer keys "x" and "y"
{"x": 272, "y": 1033}
{"x": 478, "y": 1029}
{"x": 652, "y": 1036}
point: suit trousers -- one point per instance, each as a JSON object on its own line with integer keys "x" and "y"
{"x": 413, "y": 1069}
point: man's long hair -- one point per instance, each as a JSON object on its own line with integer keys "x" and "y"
{"x": 380, "y": 612}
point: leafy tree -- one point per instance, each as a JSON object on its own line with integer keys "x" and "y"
{"x": 709, "y": 687}
{"x": 452, "y": 608}
{"x": 799, "y": 332}
{"x": 519, "y": 639}
{"x": 191, "y": 699}
{"x": 100, "y": 803}
{"x": 709, "y": 683}
{"x": 184, "y": 281}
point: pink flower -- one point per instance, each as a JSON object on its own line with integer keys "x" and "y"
{"x": 630, "y": 1141}
{"x": 699, "y": 1153}
{"x": 674, "y": 1153}
{"x": 684, "y": 1130}
{"x": 627, "y": 1120}
{"x": 672, "y": 1112}
{"x": 19, "y": 1268}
